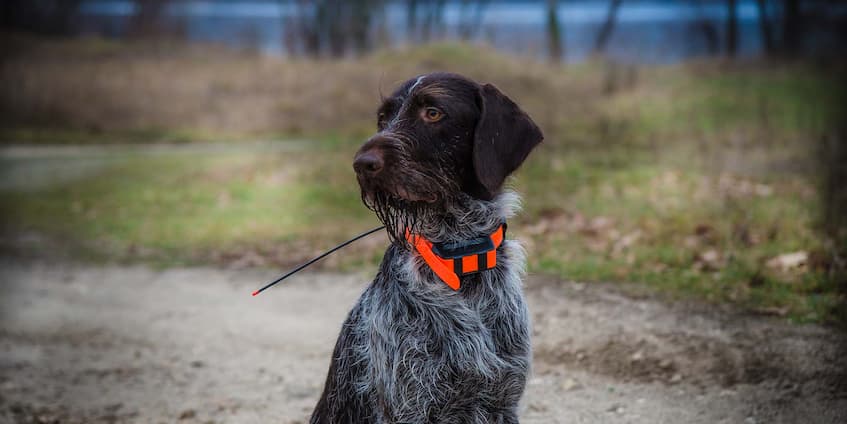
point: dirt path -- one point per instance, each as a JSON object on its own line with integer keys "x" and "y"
{"x": 134, "y": 344}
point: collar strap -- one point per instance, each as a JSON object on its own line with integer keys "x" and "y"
{"x": 449, "y": 261}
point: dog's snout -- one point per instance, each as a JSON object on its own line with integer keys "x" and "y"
{"x": 368, "y": 162}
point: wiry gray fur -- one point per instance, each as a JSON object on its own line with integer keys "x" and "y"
{"x": 413, "y": 350}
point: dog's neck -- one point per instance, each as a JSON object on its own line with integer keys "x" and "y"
{"x": 468, "y": 218}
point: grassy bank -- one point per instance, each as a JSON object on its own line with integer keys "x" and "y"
{"x": 695, "y": 179}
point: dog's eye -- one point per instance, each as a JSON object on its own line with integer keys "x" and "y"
{"x": 380, "y": 119}
{"x": 432, "y": 114}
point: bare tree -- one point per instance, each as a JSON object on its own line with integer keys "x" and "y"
{"x": 424, "y": 19}
{"x": 471, "y": 18}
{"x": 706, "y": 29}
{"x": 608, "y": 27}
{"x": 148, "y": 18}
{"x": 791, "y": 27}
{"x": 765, "y": 27}
{"x": 554, "y": 32}
{"x": 731, "y": 28}
{"x": 336, "y": 27}
{"x": 433, "y": 20}
{"x": 411, "y": 18}
{"x": 303, "y": 29}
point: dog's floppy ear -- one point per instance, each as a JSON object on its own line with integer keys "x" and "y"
{"x": 504, "y": 137}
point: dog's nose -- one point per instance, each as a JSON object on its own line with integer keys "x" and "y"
{"x": 368, "y": 163}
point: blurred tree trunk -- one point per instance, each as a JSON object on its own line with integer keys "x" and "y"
{"x": 147, "y": 20}
{"x": 835, "y": 186}
{"x": 335, "y": 28}
{"x": 308, "y": 21}
{"x": 424, "y": 19}
{"x": 338, "y": 27}
{"x": 433, "y": 20}
{"x": 412, "y": 20}
{"x": 465, "y": 29}
{"x": 480, "y": 11}
{"x": 607, "y": 28}
{"x": 51, "y": 17}
{"x": 731, "y": 28}
{"x": 64, "y": 15}
{"x": 833, "y": 192}
{"x": 382, "y": 36}
{"x": 709, "y": 32}
{"x": 791, "y": 27}
{"x": 471, "y": 18}
{"x": 360, "y": 24}
{"x": 765, "y": 27}
{"x": 554, "y": 32}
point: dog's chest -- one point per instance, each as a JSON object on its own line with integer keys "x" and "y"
{"x": 422, "y": 340}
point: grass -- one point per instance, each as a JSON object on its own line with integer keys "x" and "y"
{"x": 786, "y": 99}
{"x": 688, "y": 179}
{"x": 194, "y": 207}
{"x": 684, "y": 232}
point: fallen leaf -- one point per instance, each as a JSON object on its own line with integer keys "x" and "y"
{"x": 626, "y": 241}
{"x": 570, "y": 384}
{"x": 709, "y": 260}
{"x": 789, "y": 261}
{"x": 187, "y": 414}
{"x": 772, "y": 310}
{"x": 703, "y": 230}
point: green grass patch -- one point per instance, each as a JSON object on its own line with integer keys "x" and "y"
{"x": 192, "y": 207}
{"x": 685, "y": 231}
{"x": 796, "y": 100}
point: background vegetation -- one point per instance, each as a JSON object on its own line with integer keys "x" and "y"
{"x": 714, "y": 179}
{"x": 693, "y": 178}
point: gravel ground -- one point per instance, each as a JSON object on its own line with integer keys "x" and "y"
{"x": 132, "y": 344}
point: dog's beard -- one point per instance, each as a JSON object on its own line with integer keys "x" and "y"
{"x": 399, "y": 215}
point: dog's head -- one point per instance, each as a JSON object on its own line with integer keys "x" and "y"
{"x": 441, "y": 136}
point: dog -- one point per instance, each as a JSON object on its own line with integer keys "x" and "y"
{"x": 426, "y": 343}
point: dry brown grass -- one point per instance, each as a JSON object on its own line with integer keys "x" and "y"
{"x": 98, "y": 86}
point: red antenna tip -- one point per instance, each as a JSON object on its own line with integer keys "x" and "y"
{"x": 255, "y": 292}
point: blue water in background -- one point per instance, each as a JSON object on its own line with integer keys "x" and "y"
{"x": 646, "y": 31}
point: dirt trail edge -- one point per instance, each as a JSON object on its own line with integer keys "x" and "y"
{"x": 82, "y": 344}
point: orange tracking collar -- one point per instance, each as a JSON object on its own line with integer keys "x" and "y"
{"x": 449, "y": 261}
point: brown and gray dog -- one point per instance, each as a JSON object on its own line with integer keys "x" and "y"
{"x": 414, "y": 349}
